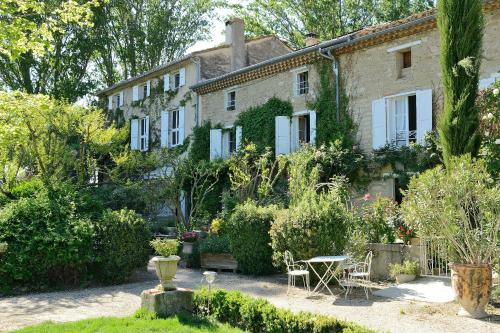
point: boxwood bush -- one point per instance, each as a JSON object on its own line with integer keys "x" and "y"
{"x": 48, "y": 243}
{"x": 248, "y": 231}
{"x": 121, "y": 245}
{"x": 258, "y": 315}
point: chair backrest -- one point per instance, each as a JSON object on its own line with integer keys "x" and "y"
{"x": 289, "y": 261}
{"x": 368, "y": 262}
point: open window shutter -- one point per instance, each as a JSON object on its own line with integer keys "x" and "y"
{"x": 379, "y": 123}
{"x": 239, "y": 133}
{"x": 294, "y": 134}
{"x": 182, "y": 76}
{"x": 424, "y": 113}
{"x": 164, "y": 129}
{"x": 122, "y": 96}
{"x": 215, "y": 143}
{"x": 166, "y": 82}
{"x": 135, "y": 93}
{"x": 146, "y": 146}
{"x": 225, "y": 144}
{"x": 312, "y": 128}
{"x": 182, "y": 113}
{"x": 282, "y": 133}
{"x": 134, "y": 134}
{"x": 148, "y": 88}
{"x": 295, "y": 84}
{"x": 110, "y": 102}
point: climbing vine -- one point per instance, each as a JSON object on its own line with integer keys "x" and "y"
{"x": 258, "y": 122}
{"x": 200, "y": 147}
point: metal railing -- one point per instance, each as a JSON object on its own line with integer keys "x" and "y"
{"x": 433, "y": 258}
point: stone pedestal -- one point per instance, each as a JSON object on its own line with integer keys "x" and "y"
{"x": 167, "y": 303}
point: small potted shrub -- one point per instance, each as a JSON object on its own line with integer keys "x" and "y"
{"x": 166, "y": 262}
{"x": 405, "y": 272}
{"x": 188, "y": 239}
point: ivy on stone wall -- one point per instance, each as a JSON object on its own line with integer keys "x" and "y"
{"x": 328, "y": 129}
{"x": 257, "y": 122}
{"x": 200, "y": 147}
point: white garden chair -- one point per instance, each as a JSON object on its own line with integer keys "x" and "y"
{"x": 295, "y": 270}
{"x": 359, "y": 275}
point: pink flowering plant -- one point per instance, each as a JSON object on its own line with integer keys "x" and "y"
{"x": 189, "y": 236}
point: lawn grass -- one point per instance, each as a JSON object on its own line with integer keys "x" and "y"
{"x": 179, "y": 324}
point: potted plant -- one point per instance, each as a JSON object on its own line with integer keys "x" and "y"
{"x": 461, "y": 206}
{"x": 166, "y": 263}
{"x": 405, "y": 272}
{"x": 188, "y": 239}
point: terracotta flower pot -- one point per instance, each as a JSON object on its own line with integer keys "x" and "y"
{"x": 472, "y": 286}
{"x": 166, "y": 267}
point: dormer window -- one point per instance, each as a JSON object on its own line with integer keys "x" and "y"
{"x": 231, "y": 100}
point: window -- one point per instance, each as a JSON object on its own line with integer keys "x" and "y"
{"x": 143, "y": 134}
{"x": 117, "y": 98}
{"x": 403, "y": 120}
{"x": 303, "y": 128}
{"x": 406, "y": 59}
{"x": 232, "y": 141}
{"x": 231, "y": 101}
{"x": 144, "y": 91}
{"x": 177, "y": 80}
{"x": 174, "y": 128}
{"x": 302, "y": 83}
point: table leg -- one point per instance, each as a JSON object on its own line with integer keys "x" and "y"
{"x": 322, "y": 283}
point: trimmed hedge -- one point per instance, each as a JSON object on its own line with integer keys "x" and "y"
{"x": 248, "y": 231}
{"x": 258, "y": 315}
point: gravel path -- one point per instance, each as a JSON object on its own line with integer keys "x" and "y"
{"x": 378, "y": 313}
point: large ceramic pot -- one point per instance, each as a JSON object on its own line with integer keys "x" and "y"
{"x": 472, "y": 286}
{"x": 166, "y": 267}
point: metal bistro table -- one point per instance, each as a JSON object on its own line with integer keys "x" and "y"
{"x": 328, "y": 262}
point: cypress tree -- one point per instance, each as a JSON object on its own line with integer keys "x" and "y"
{"x": 461, "y": 26}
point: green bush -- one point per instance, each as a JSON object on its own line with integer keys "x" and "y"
{"x": 165, "y": 247}
{"x": 248, "y": 231}
{"x": 48, "y": 243}
{"x": 215, "y": 244}
{"x": 378, "y": 219}
{"x": 407, "y": 267}
{"x": 315, "y": 225}
{"x": 28, "y": 188}
{"x": 121, "y": 245}
{"x": 258, "y": 315}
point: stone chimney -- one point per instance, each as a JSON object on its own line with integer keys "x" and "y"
{"x": 235, "y": 38}
{"x": 311, "y": 39}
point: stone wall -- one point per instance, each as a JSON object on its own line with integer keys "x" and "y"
{"x": 385, "y": 254}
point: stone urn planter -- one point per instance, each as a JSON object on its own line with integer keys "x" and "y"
{"x": 403, "y": 278}
{"x": 472, "y": 286}
{"x": 187, "y": 247}
{"x": 166, "y": 267}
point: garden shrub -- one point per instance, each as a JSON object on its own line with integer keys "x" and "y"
{"x": 377, "y": 219}
{"x": 215, "y": 244}
{"x": 48, "y": 243}
{"x": 316, "y": 225}
{"x": 27, "y": 188}
{"x": 258, "y": 315}
{"x": 121, "y": 245}
{"x": 248, "y": 231}
{"x": 200, "y": 146}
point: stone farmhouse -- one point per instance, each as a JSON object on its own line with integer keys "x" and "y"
{"x": 390, "y": 73}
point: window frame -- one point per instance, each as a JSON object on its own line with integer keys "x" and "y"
{"x": 142, "y": 134}
{"x": 230, "y": 104}
{"x": 174, "y": 130}
{"x": 410, "y": 136}
{"x": 177, "y": 80}
{"x": 117, "y": 100}
{"x": 302, "y": 88}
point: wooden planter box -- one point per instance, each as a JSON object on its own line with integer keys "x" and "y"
{"x": 218, "y": 261}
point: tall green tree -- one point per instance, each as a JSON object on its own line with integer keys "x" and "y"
{"x": 137, "y": 35}
{"x": 292, "y": 19}
{"x": 461, "y": 27}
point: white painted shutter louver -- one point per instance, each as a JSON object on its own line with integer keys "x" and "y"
{"x": 166, "y": 82}
{"x": 146, "y": 145}
{"x": 164, "y": 129}
{"x": 182, "y": 76}
{"x": 294, "y": 134}
{"x": 110, "y": 102}
{"x": 226, "y": 150}
{"x": 379, "y": 136}
{"x": 312, "y": 128}
{"x": 215, "y": 143}
{"x": 424, "y": 113}
{"x": 282, "y": 133}
{"x": 182, "y": 113}
{"x": 239, "y": 133}
{"x": 148, "y": 88}
{"x": 135, "y": 93}
{"x": 122, "y": 97}
{"x": 134, "y": 134}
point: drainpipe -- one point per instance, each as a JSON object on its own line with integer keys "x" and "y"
{"x": 197, "y": 62}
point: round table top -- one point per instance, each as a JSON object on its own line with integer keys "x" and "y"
{"x": 327, "y": 259}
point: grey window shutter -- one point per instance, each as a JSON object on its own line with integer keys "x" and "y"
{"x": 312, "y": 128}
{"x": 166, "y": 82}
{"x": 182, "y": 76}
{"x": 147, "y": 133}
{"x": 182, "y": 114}
{"x": 215, "y": 144}
{"x": 239, "y": 133}
{"x": 424, "y": 113}
{"x": 294, "y": 134}
{"x": 282, "y": 133}
{"x": 135, "y": 93}
{"x": 122, "y": 96}
{"x": 379, "y": 123}
{"x": 164, "y": 129}
{"x": 110, "y": 102}
{"x": 134, "y": 134}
